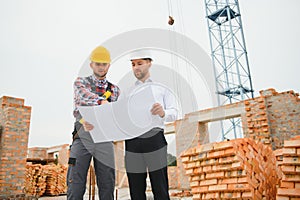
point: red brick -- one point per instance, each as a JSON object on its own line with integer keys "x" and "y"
{"x": 292, "y": 143}
{"x": 289, "y": 177}
{"x": 285, "y": 184}
{"x": 209, "y": 182}
{"x": 214, "y": 175}
{"x": 185, "y": 159}
{"x": 292, "y": 192}
{"x": 288, "y": 169}
{"x": 222, "y": 145}
{"x": 295, "y": 160}
{"x": 228, "y": 181}
{"x": 289, "y": 151}
{"x": 215, "y": 154}
{"x": 282, "y": 198}
{"x": 194, "y": 183}
{"x": 238, "y": 187}
{"x": 231, "y": 195}
{"x": 210, "y": 196}
{"x": 215, "y": 188}
{"x": 247, "y": 194}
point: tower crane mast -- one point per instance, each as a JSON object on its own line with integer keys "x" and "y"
{"x": 229, "y": 57}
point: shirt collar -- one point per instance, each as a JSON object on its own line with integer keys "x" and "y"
{"x": 148, "y": 80}
{"x": 98, "y": 81}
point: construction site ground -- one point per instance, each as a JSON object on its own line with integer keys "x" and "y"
{"x": 123, "y": 194}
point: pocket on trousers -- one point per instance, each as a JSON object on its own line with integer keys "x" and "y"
{"x": 73, "y": 176}
{"x": 70, "y": 175}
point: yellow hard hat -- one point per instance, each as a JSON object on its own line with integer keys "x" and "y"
{"x": 100, "y": 55}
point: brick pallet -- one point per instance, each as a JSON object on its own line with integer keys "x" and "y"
{"x": 45, "y": 180}
{"x": 288, "y": 162}
{"x": 35, "y": 183}
{"x": 237, "y": 169}
{"x": 56, "y": 179}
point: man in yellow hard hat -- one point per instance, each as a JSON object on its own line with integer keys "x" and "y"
{"x": 89, "y": 91}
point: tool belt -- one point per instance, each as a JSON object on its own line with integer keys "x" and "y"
{"x": 77, "y": 127}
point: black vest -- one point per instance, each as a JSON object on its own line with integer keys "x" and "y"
{"x": 93, "y": 87}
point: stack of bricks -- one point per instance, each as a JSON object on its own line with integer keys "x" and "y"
{"x": 35, "y": 180}
{"x": 56, "y": 179}
{"x": 46, "y": 179}
{"x": 234, "y": 169}
{"x": 15, "y": 121}
{"x": 288, "y": 162}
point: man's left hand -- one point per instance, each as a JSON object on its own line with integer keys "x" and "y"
{"x": 157, "y": 109}
{"x": 87, "y": 126}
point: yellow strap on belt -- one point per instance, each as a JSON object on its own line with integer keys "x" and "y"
{"x": 81, "y": 121}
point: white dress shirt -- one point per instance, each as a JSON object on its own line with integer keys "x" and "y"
{"x": 163, "y": 96}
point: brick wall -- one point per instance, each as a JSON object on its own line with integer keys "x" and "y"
{"x": 48, "y": 153}
{"x": 173, "y": 177}
{"x": 64, "y": 154}
{"x": 15, "y": 121}
{"x": 37, "y": 152}
{"x": 188, "y": 135}
{"x": 273, "y": 117}
{"x": 62, "y": 151}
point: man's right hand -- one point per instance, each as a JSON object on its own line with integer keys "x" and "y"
{"x": 87, "y": 126}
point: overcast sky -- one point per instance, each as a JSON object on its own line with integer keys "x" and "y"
{"x": 44, "y": 43}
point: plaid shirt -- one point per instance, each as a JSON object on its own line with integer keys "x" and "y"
{"x": 85, "y": 96}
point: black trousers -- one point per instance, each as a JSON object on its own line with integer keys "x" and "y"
{"x": 147, "y": 154}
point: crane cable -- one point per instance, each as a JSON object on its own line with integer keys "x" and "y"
{"x": 174, "y": 58}
{"x": 186, "y": 53}
{"x": 173, "y": 47}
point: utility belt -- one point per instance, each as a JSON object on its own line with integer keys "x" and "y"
{"x": 77, "y": 127}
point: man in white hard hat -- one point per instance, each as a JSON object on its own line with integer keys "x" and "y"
{"x": 148, "y": 152}
{"x": 89, "y": 91}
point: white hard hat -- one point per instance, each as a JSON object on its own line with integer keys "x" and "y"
{"x": 140, "y": 54}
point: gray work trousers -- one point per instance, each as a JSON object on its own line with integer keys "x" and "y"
{"x": 82, "y": 151}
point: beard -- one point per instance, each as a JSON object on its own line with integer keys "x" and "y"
{"x": 99, "y": 75}
{"x": 139, "y": 75}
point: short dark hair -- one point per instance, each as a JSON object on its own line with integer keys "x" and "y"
{"x": 147, "y": 59}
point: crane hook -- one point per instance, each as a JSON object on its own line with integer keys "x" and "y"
{"x": 171, "y": 21}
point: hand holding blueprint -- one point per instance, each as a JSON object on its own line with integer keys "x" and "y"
{"x": 124, "y": 119}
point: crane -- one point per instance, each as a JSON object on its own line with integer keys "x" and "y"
{"x": 229, "y": 57}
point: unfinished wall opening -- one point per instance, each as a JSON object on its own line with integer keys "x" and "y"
{"x": 232, "y": 128}
{"x": 171, "y": 139}
{"x": 215, "y": 129}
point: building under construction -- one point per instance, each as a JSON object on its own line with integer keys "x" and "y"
{"x": 265, "y": 164}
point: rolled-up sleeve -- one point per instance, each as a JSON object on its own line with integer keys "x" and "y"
{"x": 170, "y": 106}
